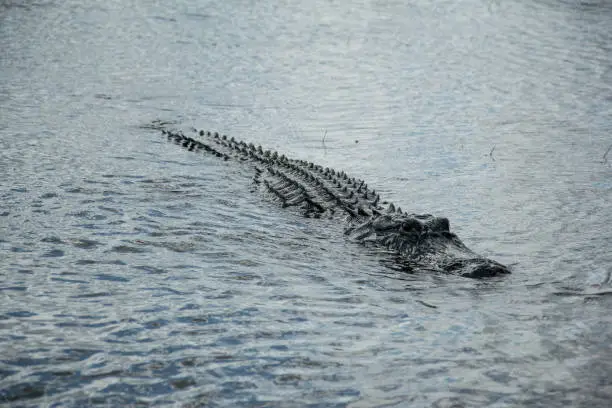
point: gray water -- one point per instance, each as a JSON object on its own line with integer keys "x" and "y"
{"x": 136, "y": 273}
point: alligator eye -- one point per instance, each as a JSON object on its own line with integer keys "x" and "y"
{"x": 411, "y": 226}
{"x": 440, "y": 224}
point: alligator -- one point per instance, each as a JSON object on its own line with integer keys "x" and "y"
{"x": 418, "y": 241}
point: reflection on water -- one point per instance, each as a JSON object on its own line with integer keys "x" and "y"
{"x": 135, "y": 273}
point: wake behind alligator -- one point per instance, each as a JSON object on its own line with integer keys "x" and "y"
{"x": 420, "y": 241}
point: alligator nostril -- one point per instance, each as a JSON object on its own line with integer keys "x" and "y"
{"x": 487, "y": 270}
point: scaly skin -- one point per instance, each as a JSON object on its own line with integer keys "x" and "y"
{"x": 420, "y": 241}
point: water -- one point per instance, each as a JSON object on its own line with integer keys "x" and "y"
{"x": 134, "y": 273}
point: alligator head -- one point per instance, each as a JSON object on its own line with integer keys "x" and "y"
{"x": 424, "y": 241}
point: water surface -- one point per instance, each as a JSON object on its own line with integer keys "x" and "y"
{"x": 135, "y": 273}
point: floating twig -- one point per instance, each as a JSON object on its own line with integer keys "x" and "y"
{"x": 605, "y": 158}
{"x": 427, "y": 304}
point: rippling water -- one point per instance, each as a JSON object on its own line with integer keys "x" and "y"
{"x": 134, "y": 273}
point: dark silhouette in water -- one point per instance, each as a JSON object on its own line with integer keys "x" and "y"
{"x": 420, "y": 241}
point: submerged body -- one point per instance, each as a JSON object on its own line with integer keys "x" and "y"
{"x": 421, "y": 241}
